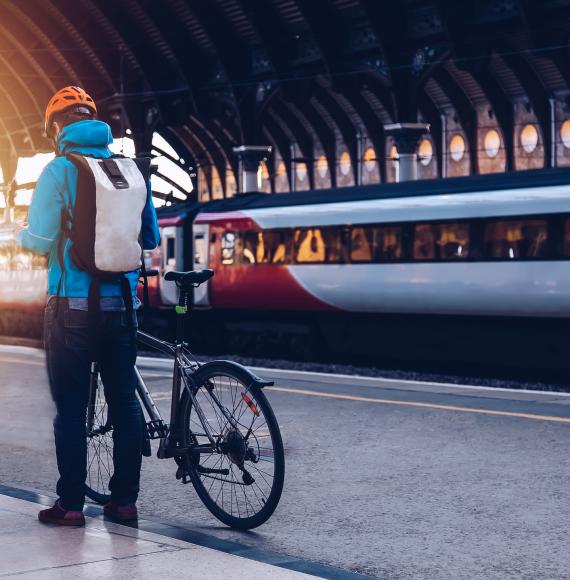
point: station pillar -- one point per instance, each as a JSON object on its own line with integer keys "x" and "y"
{"x": 406, "y": 137}
{"x": 250, "y": 157}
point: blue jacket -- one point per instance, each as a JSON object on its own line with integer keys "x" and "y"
{"x": 56, "y": 189}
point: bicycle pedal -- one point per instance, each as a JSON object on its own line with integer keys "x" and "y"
{"x": 182, "y": 475}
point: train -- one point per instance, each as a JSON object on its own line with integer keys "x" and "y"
{"x": 464, "y": 270}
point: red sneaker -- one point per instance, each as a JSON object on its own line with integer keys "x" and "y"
{"x": 121, "y": 513}
{"x": 57, "y": 515}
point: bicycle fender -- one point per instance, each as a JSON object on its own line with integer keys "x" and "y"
{"x": 250, "y": 378}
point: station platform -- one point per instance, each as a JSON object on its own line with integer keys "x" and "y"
{"x": 103, "y": 549}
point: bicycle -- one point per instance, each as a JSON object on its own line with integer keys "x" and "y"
{"x": 222, "y": 432}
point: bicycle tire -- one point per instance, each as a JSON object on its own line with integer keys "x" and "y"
{"x": 99, "y": 451}
{"x": 200, "y": 377}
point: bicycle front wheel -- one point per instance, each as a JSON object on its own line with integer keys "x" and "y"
{"x": 240, "y": 480}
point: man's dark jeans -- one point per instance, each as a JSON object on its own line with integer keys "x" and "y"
{"x": 67, "y": 348}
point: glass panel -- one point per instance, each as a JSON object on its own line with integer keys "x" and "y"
{"x": 387, "y": 243}
{"x": 249, "y": 255}
{"x": 317, "y": 245}
{"x": 516, "y": 239}
{"x": 453, "y": 241}
{"x": 376, "y": 244}
{"x": 277, "y": 246}
{"x": 170, "y": 245}
{"x": 228, "y": 248}
{"x": 567, "y": 238}
{"x": 424, "y": 242}
{"x": 361, "y": 240}
{"x": 441, "y": 241}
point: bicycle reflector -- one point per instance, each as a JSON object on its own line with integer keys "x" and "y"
{"x": 250, "y": 404}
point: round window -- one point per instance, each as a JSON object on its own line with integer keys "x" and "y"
{"x": 457, "y": 147}
{"x": 301, "y": 171}
{"x": 369, "y": 159}
{"x": 529, "y": 138}
{"x": 281, "y": 169}
{"x": 322, "y": 166}
{"x": 492, "y": 143}
{"x": 345, "y": 163}
{"x": 565, "y": 133}
{"x": 425, "y": 152}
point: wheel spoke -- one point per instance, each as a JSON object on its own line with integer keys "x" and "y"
{"x": 233, "y": 494}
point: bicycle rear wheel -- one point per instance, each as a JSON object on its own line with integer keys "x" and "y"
{"x": 240, "y": 481}
{"x": 99, "y": 448}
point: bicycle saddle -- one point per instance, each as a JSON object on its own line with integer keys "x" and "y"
{"x": 188, "y": 279}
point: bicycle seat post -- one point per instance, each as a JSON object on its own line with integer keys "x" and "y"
{"x": 181, "y": 312}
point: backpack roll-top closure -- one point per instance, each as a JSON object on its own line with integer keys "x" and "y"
{"x": 107, "y": 220}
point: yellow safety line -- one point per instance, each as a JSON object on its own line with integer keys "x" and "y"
{"x": 423, "y": 405}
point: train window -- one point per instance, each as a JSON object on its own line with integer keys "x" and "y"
{"x": 361, "y": 243}
{"x": 170, "y": 247}
{"x": 317, "y": 245}
{"x": 453, "y": 241}
{"x": 424, "y": 242}
{"x": 511, "y": 239}
{"x": 376, "y": 244}
{"x": 228, "y": 248}
{"x": 267, "y": 247}
{"x": 567, "y": 238}
{"x": 249, "y": 250}
{"x": 273, "y": 247}
{"x": 441, "y": 241}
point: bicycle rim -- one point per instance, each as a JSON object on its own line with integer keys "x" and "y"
{"x": 99, "y": 451}
{"x": 247, "y": 495}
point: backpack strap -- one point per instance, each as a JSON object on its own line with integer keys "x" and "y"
{"x": 64, "y": 233}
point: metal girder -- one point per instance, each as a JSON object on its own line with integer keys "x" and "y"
{"x": 389, "y": 20}
{"x": 343, "y": 122}
{"x": 234, "y": 62}
{"x": 282, "y": 143}
{"x": 546, "y": 30}
{"x": 432, "y": 116}
{"x": 472, "y": 54}
{"x": 210, "y": 145}
{"x": 538, "y": 94}
{"x": 327, "y": 29}
{"x": 303, "y": 137}
{"x": 464, "y": 108}
{"x": 325, "y": 135}
{"x": 372, "y": 124}
{"x": 277, "y": 41}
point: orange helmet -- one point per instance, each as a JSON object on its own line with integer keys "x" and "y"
{"x": 65, "y": 99}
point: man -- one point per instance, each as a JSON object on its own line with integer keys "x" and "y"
{"x": 71, "y": 122}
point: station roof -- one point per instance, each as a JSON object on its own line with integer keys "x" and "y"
{"x": 213, "y": 74}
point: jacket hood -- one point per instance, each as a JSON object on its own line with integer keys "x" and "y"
{"x": 84, "y": 134}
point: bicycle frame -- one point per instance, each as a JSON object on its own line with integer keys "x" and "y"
{"x": 180, "y": 380}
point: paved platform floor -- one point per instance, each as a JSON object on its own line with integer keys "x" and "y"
{"x": 103, "y": 549}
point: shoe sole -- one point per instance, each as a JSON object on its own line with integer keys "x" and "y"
{"x": 62, "y": 522}
{"x": 121, "y": 518}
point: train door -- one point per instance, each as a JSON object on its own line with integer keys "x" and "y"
{"x": 172, "y": 249}
{"x": 201, "y": 260}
